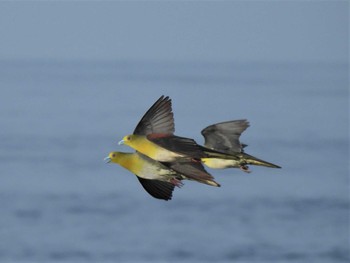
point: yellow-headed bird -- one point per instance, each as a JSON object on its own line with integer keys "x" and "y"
{"x": 224, "y": 137}
{"x": 154, "y": 136}
{"x": 159, "y": 179}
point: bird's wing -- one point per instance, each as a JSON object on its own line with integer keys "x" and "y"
{"x": 180, "y": 145}
{"x": 157, "y": 189}
{"x": 158, "y": 119}
{"x": 224, "y": 136}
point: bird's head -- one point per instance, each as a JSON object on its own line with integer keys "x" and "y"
{"x": 113, "y": 157}
{"x": 128, "y": 140}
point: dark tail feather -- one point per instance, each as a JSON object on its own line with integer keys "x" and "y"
{"x": 255, "y": 161}
{"x": 248, "y": 159}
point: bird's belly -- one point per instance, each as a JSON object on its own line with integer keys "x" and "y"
{"x": 216, "y": 163}
{"x": 163, "y": 155}
{"x": 150, "y": 171}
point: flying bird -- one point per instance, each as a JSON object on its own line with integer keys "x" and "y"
{"x": 224, "y": 137}
{"x": 154, "y": 135}
{"x": 159, "y": 179}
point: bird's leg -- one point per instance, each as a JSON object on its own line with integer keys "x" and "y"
{"x": 195, "y": 160}
{"x": 176, "y": 182}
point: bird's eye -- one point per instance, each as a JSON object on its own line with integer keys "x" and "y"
{"x": 113, "y": 155}
{"x": 128, "y": 138}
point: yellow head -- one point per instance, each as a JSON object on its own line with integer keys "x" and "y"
{"x": 113, "y": 157}
{"x": 129, "y": 140}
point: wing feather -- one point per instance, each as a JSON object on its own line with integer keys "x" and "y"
{"x": 224, "y": 136}
{"x": 158, "y": 119}
{"x": 157, "y": 189}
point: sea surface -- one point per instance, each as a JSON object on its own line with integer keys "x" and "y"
{"x": 61, "y": 203}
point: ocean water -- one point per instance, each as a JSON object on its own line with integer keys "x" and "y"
{"x": 61, "y": 203}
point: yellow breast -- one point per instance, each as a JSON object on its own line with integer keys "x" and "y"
{"x": 152, "y": 150}
{"x": 131, "y": 162}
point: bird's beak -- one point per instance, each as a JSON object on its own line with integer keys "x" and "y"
{"x": 107, "y": 159}
{"x": 121, "y": 142}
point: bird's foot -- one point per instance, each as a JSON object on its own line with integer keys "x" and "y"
{"x": 245, "y": 168}
{"x": 176, "y": 182}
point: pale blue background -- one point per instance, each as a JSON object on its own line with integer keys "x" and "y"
{"x": 187, "y": 30}
{"x": 77, "y": 76}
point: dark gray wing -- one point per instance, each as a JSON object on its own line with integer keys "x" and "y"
{"x": 157, "y": 189}
{"x": 224, "y": 136}
{"x": 158, "y": 119}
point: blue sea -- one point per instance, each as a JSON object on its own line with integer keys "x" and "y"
{"x": 61, "y": 203}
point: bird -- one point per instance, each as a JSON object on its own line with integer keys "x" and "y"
{"x": 224, "y": 137}
{"x": 154, "y": 135}
{"x": 157, "y": 178}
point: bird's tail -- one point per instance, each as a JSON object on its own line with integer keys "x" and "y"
{"x": 208, "y": 182}
{"x": 255, "y": 161}
{"x": 242, "y": 157}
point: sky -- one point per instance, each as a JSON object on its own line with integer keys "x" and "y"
{"x": 182, "y": 30}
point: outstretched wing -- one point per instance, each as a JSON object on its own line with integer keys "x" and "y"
{"x": 158, "y": 119}
{"x": 224, "y": 136}
{"x": 157, "y": 189}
